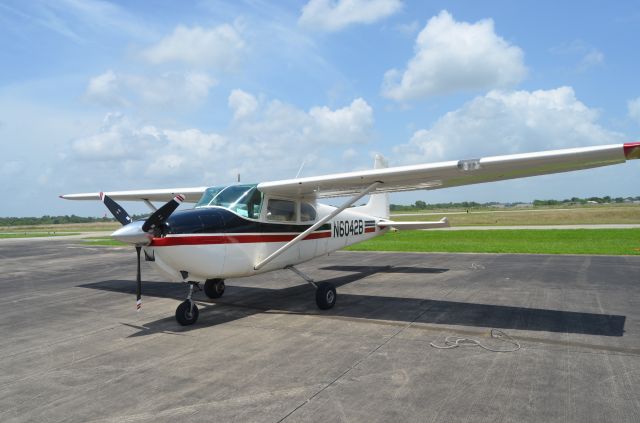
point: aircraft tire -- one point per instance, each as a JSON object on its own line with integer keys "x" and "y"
{"x": 184, "y": 315}
{"x": 325, "y": 296}
{"x": 214, "y": 288}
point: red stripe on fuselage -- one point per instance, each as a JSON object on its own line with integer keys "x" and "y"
{"x": 231, "y": 239}
{"x": 369, "y": 230}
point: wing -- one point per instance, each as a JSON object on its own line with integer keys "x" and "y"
{"x": 192, "y": 195}
{"x": 455, "y": 173}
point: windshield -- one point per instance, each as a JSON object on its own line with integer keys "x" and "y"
{"x": 244, "y": 200}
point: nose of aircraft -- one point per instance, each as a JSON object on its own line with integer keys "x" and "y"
{"x": 133, "y": 234}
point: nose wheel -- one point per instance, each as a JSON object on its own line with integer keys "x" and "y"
{"x": 187, "y": 312}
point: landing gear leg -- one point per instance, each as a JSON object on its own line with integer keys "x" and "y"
{"x": 187, "y": 311}
{"x": 326, "y": 295}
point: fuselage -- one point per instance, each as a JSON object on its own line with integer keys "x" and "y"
{"x": 212, "y": 241}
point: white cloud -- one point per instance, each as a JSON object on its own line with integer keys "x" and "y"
{"x": 276, "y": 133}
{"x": 242, "y": 103}
{"x": 509, "y": 122}
{"x": 195, "y": 140}
{"x": 105, "y": 89}
{"x": 220, "y": 47}
{"x": 117, "y": 139}
{"x": 117, "y": 90}
{"x": 288, "y": 127}
{"x": 634, "y": 109}
{"x": 166, "y": 165}
{"x": 347, "y": 125}
{"x": 455, "y": 56}
{"x": 329, "y": 15}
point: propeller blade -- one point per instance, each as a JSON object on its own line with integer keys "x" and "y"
{"x": 138, "y": 283}
{"x": 162, "y": 213}
{"x": 116, "y": 210}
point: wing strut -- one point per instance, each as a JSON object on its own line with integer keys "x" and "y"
{"x": 316, "y": 225}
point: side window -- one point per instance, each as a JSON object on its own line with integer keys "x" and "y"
{"x": 254, "y": 205}
{"x": 307, "y": 212}
{"x": 281, "y": 210}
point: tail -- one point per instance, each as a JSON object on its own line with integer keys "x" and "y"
{"x": 378, "y": 204}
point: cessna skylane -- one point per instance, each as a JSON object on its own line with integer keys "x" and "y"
{"x": 246, "y": 229}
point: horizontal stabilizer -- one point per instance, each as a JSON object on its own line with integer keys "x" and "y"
{"x": 442, "y": 223}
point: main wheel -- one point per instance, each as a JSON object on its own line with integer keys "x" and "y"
{"x": 214, "y": 288}
{"x": 185, "y": 315}
{"x": 325, "y": 296}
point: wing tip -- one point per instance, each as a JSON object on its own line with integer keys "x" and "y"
{"x": 631, "y": 150}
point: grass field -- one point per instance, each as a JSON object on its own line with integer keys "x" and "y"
{"x": 576, "y": 241}
{"x": 67, "y": 227}
{"x": 551, "y": 241}
{"x": 5, "y": 235}
{"x": 100, "y": 240}
{"x": 538, "y": 216}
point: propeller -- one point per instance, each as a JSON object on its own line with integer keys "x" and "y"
{"x": 139, "y": 233}
{"x": 162, "y": 214}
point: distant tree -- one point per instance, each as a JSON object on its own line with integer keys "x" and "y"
{"x": 420, "y": 205}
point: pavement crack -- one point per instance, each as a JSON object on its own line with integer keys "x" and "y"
{"x": 357, "y": 363}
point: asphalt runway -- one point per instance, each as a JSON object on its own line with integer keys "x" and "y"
{"x": 73, "y": 347}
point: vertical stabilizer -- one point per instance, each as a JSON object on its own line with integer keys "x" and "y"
{"x": 378, "y": 204}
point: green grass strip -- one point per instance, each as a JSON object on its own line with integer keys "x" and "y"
{"x": 5, "y": 235}
{"x": 526, "y": 241}
{"x": 97, "y": 240}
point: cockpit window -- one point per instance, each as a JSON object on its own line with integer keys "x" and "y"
{"x": 245, "y": 200}
{"x": 307, "y": 212}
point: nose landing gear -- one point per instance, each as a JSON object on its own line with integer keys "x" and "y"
{"x": 187, "y": 312}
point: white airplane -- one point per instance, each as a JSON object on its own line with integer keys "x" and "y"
{"x": 246, "y": 229}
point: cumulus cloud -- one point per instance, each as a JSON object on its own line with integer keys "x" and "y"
{"x": 220, "y": 47}
{"x": 634, "y": 109}
{"x": 455, "y": 56}
{"x": 330, "y": 15}
{"x": 242, "y": 103}
{"x": 120, "y": 89}
{"x": 346, "y": 125}
{"x": 282, "y": 124}
{"x": 273, "y": 132}
{"x": 105, "y": 89}
{"x": 117, "y": 139}
{"x": 509, "y": 122}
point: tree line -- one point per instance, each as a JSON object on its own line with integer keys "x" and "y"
{"x": 418, "y": 205}
{"x": 421, "y": 205}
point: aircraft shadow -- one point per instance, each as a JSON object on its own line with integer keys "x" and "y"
{"x": 385, "y": 269}
{"x": 239, "y": 302}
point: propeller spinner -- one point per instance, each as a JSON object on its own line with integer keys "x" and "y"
{"x": 139, "y": 233}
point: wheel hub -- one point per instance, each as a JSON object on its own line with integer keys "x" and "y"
{"x": 330, "y": 297}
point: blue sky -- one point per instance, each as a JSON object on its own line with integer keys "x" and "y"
{"x": 98, "y": 95}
